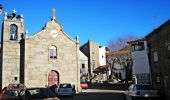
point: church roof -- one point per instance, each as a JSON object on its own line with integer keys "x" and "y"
{"x": 49, "y": 24}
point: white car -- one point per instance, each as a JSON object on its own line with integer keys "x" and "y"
{"x": 137, "y": 91}
{"x": 65, "y": 89}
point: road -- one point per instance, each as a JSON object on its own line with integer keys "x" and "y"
{"x": 97, "y": 94}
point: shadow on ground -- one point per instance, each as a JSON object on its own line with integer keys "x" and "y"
{"x": 108, "y": 86}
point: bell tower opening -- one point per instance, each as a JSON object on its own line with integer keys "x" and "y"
{"x": 13, "y": 32}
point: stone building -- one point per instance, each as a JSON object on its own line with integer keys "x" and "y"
{"x": 46, "y": 58}
{"x": 158, "y": 43}
{"x": 102, "y": 56}
{"x": 91, "y": 50}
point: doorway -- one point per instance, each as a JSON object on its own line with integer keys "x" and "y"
{"x": 53, "y": 78}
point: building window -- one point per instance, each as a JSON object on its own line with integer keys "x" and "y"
{"x": 102, "y": 56}
{"x": 13, "y": 32}
{"x": 15, "y": 78}
{"x": 138, "y": 46}
{"x": 157, "y": 78}
{"x": 83, "y": 66}
{"x": 155, "y": 56}
{"x": 168, "y": 51}
{"x": 141, "y": 46}
{"x": 53, "y": 52}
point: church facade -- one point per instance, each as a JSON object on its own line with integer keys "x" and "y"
{"x": 46, "y": 58}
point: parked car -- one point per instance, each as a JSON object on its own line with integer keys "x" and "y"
{"x": 84, "y": 85}
{"x": 9, "y": 94}
{"x": 65, "y": 89}
{"x": 140, "y": 91}
{"x": 37, "y": 94}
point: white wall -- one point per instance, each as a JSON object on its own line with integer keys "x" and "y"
{"x": 140, "y": 61}
{"x": 102, "y": 56}
{"x": 83, "y": 60}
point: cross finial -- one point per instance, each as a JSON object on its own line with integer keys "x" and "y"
{"x": 77, "y": 39}
{"x": 14, "y": 11}
{"x": 53, "y": 13}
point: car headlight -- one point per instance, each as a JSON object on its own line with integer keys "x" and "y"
{"x": 146, "y": 95}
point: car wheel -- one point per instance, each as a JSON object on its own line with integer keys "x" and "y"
{"x": 72, "y": 96}
{"x": 124, "y": 97}
{"x": 132, "y": 98}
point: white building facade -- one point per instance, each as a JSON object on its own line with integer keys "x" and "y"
{"x": 140, "y": 68}
{"x": 102, "y": 55}
{"x": 83, "y": 67}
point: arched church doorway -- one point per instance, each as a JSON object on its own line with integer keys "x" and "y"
{"x": 53, "y": 78}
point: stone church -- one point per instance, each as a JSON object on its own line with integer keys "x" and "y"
{"x": 46, "y": 58}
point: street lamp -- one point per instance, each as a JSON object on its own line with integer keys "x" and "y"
{"x": 1, "y": 9}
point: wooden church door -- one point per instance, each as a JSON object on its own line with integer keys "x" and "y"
{"x": 53, "y": 78}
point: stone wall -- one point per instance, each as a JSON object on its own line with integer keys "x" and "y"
{"x": 94, "y": 55}
{"x": 10, "y": 51}
{"x": 11, "y": 62}
{"x": 158, "y": 41}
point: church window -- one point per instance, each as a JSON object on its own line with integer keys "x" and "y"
{"x": 155, "y": 56}
{"x": 168, "y": 51}
{"x": 13, "y": 32}
{"x": 83, "y": 66}
{"x": 53, "y": 52}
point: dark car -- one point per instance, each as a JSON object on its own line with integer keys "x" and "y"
{"x": 37, "y": 94}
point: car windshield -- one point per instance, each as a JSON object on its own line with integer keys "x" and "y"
{"x": 65, "y": 86}
{"x": 144, "y": 87}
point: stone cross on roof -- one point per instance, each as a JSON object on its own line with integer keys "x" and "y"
{"x": 53, "y": 13}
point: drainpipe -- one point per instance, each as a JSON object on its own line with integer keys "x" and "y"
{"x": 78, "y": 65}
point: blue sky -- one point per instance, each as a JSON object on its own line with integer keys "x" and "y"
{"x": 98, "y": 20}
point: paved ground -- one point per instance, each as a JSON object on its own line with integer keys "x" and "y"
{"x": 117, "y": 86}
{"x": 102, "y": 91}
{"x": 97, "y": 94}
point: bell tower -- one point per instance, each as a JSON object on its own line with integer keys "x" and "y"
{"x": 13, "y": 27}
{"x": 11, "y": 44}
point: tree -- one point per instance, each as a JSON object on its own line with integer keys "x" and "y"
{"x": 111, "y": 60}
{"x": 120, "y": 43}
{"x": 120, "y": 54}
